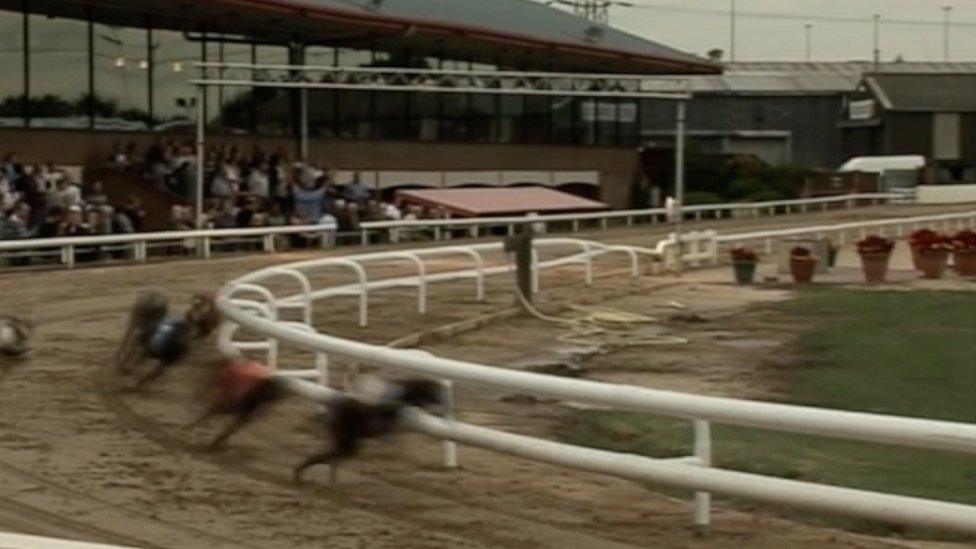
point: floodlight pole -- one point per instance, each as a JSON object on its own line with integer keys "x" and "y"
{"x": 201, "y": 152}
{"x": 303, "y": 145}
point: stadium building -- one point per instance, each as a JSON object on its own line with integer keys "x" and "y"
{"x": 80, "y": 76}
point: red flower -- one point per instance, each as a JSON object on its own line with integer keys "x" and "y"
{"x": 744, "y": 255}
{"x": 875, "y": 244}
{"x": 928, "y": 240}
{"x": 964, "y": 241}
{"x": 802, "y": 253}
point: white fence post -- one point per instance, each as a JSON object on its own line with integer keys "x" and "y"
{"x": 703, "y": 500}
{"x": 450, "y": 412}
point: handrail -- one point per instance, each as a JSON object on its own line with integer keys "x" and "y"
{"x": 523, "y": 220}
{"x": 696, "y": 475}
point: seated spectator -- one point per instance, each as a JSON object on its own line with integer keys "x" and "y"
{"x": 96, "y": 195}
{"x": 69, "y": 194}
{"x": 308, "y": 199}
{"x": 181, "y": 218}
{"x": 10, "y": 167}
{"x": 134, "y": 211}
{"x": 225, "y": 184}
{"x": 52, "y": 223}
{"x": 357, "y": 191}
{"x": 258, "y": 182}
{"x": 73, "y": 225}
{"x": 120, "y": 222}
{"x": 17, "y": 224}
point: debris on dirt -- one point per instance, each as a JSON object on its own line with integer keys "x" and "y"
{"x": 560, "y": 369}
{"x": 526, "y": 400}
{"x": 677, "y": 305}
{"x": 691, "y": 318}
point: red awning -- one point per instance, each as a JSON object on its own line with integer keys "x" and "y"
{"x": 494, "y": 202}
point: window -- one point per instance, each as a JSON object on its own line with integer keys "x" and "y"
{"x": 121, "y": 58}
{"x": 174, "y": 100}
{"x": 12, "y": 65}
{"x": 59, "y": 86}
{"x": 355, "y": 108}
{"x": 274, "y": 109}
{"x": 322, "y": 104}
{"x": 230, "y": 108}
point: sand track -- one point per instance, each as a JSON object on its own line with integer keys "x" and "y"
{"x": 79, "y": 459}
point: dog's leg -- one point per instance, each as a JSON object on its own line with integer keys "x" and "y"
{"x": 328, "y": 457}
{"x": 235, "y": 425}
{"x": 153, "y": 374}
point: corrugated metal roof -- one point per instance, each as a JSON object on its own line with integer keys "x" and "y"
{"x": 506, "y": 23}
{"x": 926, "y": 92}
{"x": 807, "y": 78}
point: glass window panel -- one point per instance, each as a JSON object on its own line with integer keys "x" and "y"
{"x": 174, "y": 99}
{"x": 12, "y": 67}
{"x": 274, "y": 109}
{"x": 482, "y": 117}
{"x": 355, "y": 108}
{"x": 121, "y": 78}
{"x": 510, "y": 118}
{"x": 231, "y": 109}
{"x": 321, "y": 103}
{"x": 538, "y": 114}
{"x": 59, "y": 88}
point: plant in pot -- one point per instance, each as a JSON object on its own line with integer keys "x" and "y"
{"x": 964, "y": 253}
{"x": 744, "y": 262}
{"x": 932, "y": 253}
{"x": 802, "y": 264}
{"x": 915, "y": 239}
{"x": 875, "y": 252}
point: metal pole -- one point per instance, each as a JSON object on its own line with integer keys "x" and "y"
{"x": 877, "y": 41}
{"x": 679, "y": 178}
{"x": 303, "y": 145}
{"x": 732, "y": 33}
{"x": 947, "y": 12}
{"x": 201, "y": 152}
{"x": 809, "y": 27}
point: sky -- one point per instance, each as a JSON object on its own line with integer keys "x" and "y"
{"x": 763, "y": 35}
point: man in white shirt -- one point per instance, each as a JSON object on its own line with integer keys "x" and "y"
{"x": 258, "y": 182}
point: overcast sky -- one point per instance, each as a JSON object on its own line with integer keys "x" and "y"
{"x": 772, "y": 38}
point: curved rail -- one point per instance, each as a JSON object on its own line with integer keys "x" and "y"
{"x": 691, "y": 473}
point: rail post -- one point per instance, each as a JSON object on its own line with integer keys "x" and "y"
{"x": 703, "y": 500}
{"x": 450, "y": 447}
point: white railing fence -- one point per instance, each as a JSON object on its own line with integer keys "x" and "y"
{"x": 140, "y": 247}
{"x": 441, "y": 229}
{"x": 694, "y": 472}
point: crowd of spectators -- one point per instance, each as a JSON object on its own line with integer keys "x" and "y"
{"x": 43, "y": 201}
{"x": 256, "y": 188}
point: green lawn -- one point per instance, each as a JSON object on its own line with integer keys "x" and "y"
{"x": 904, "y": 353}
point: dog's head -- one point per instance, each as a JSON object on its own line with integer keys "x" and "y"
{"x": 203, "y": 314}
{"x": 422, "y": 393}
{"x": 149, "y": 309}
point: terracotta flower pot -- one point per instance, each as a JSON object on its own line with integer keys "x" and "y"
{"x": 802, "y": 268}
{"x": 745, "y": 271}
{"x": 875, "y": 266}
{"x": 915, "y": 260}
{"x": 964, "y": 262}
{"x": 932, "y": 263}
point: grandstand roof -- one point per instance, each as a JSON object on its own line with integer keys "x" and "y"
{"x": 780, "y": 78}
{"x": 920, "y": 92}
{"x": 519, "y": 33}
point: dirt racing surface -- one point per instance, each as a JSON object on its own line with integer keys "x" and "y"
{"x": 82, "y": 457}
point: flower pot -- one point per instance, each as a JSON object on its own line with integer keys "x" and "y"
{"x": 932, "y": 263}
{"x": 745, "y": 271}
{"x": 802, "y": 268}
{"x": 875, "y": 265}
{"x": 964, "y": 262}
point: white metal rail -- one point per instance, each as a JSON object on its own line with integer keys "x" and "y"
{"x": 693, "y": 472}
{"x": 475, "y": 226}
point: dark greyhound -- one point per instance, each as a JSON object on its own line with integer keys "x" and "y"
{"x": 167, "y": 339}
{"x": 351, "y": 421}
